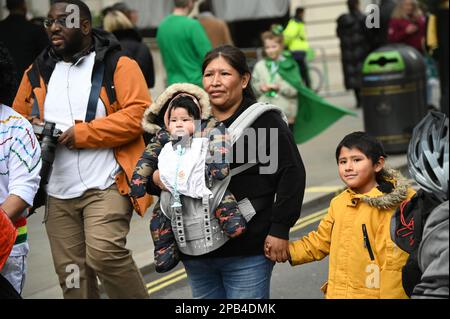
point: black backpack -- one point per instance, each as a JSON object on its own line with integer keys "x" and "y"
{"x": 407, "y": 228}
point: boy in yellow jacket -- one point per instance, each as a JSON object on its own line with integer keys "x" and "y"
{"x": 364, "y": 262}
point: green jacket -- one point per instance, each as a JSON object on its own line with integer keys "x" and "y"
{"x": 295, "y": 37}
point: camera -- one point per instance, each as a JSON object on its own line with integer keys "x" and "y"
{"x": 47, "y": 136}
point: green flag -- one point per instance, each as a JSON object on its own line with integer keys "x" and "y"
{"x": 315, "y": 114}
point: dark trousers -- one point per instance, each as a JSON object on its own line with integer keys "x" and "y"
{"x": 358, "y": 97}
{"x": 300, "y": 58}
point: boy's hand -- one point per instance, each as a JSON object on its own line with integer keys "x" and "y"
{"x": 264, "y": 88}
{"x": 274, "y": 87}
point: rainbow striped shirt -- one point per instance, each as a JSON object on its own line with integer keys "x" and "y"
{"x": 20, "y": 162}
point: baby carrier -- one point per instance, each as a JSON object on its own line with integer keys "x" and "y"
{"x": 197, "y": 230}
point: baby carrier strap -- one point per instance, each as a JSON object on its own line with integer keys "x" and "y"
{"x": 197, "y": 230}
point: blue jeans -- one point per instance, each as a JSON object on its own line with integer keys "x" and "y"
{"x": 230, "y": 278}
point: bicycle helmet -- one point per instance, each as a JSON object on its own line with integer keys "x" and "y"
{"x": 428, "y": 155}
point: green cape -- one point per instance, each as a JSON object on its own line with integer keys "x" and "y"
{"x": 315, "y": 114}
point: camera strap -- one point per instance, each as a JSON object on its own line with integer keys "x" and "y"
{"x": 97, "y": 80}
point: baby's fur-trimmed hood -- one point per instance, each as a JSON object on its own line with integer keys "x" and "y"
{"x": 148, "y": 122}
{"x": 394, "y": 198}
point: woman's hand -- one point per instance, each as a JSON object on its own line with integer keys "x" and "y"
{"x": 276, "y": 249}
{"x": 157, "y": 181}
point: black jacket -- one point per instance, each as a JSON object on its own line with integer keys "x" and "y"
{"x": 288, "y": 183}
{"x": 24, "y": 41}
{"x": 355, "y": 46}
{"x": 131, "y": 43}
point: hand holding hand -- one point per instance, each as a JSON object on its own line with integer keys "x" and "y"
{"x": 276, "y": 249}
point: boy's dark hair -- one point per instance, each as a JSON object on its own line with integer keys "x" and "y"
{"x": 186, "y": 103}
{"x": 364, "y": 142}
{"x": 85, "y": 12}
{"x": 8, "y": 79}
{"x": 372, "y": 148}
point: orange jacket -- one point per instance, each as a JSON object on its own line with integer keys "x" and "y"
{"x": 121, "y": 129}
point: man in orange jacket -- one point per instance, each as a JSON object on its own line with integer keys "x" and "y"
{"x": 88, "y": 209}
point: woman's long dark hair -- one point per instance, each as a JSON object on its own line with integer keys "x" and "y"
{"x": 236, "y": 58}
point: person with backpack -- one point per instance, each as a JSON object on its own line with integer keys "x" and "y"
{"x": 420, "y": 225}
{"x": 364, "y": 263}
{"x": 190, "y": 153}
{"x": 97, "y": 97}
{"x": 269, "y": 187}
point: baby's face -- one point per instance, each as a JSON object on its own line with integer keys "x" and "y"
{"x": 180, "y": 122}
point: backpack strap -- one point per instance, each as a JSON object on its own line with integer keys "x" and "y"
{"x": 97, "y": 80}
{"x": 244, "y": 121}
{"x": 33, "y": 77}
{"x": 249, "y": 116}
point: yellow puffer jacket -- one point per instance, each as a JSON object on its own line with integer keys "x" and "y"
{"x": 358, "y": 268}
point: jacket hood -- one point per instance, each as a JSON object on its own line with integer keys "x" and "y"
{"x": 103, "y": 42}
{"x": 149, "y": 121}
{"x": 392, "y": 199}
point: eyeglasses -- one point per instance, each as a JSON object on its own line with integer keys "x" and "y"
{"x": 60, "y": 22}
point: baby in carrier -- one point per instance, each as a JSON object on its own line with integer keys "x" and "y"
{"x": 190, "y": 154}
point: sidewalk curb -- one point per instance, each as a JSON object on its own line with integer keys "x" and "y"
{"x": 324, "y": 199}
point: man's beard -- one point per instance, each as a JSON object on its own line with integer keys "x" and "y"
{"x": 72, "y": 45}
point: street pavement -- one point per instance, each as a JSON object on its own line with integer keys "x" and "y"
{"x": 322, "y": 179}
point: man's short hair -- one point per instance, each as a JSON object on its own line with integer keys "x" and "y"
{"x": 205, "y": 6}
{"x": 182, "y": 3}
{"x": 14, "y": 4}
{"x": 84, "y": 9}
{"x": 299, "y": 10}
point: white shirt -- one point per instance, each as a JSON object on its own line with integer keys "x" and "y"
{"x": 20, "y": 157}
{"x": 186, "y": 173}
{"x": 76, "y": 171}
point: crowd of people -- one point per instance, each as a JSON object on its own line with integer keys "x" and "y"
{"x": 196, "y": 156}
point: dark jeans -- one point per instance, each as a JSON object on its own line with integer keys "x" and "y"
{"x": 300, "y": 58}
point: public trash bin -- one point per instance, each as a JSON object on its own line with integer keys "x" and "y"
{"x": 393, "y": 95}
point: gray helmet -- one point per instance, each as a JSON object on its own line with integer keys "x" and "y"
{"x": 428, "y": 155}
